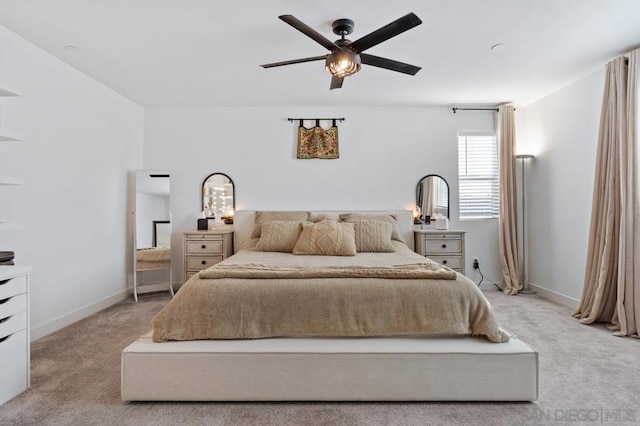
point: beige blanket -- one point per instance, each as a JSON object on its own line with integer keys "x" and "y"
{"x": 240, "y": 308}
{"x": 153, "y": 254}
{"x": 262, "y": 271}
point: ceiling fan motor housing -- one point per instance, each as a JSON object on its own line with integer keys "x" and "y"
{"x": 343, "y": 26}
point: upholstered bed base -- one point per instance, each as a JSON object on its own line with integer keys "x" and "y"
{"x": 330, "y": 369}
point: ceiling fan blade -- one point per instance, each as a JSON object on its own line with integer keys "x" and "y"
{"x": 336, "y": 82}
{"x": 295, "y": 61}
{"x": 309, "y": 32}
{"x": 385, "y": 33}
{"x": 389, "y": 64}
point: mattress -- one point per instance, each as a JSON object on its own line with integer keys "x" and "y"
{"x": 442, "y": 368}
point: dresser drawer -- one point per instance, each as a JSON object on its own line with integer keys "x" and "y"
{"x": 13, "y": 324}
{"x": 191, "y": 274}
{"x": 204, "y": 237}
{"x": 13, "y": 286}
{"x": 200, "y": 263}
{"x": 443, "y": 245}
{"x": 453, "y": 262}
{"x": 13, "y": 305}
{"x": 13, "y": 358}
{"x": 204, "y": 247}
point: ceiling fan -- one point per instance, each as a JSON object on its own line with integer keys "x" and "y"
{"x": 346, "y": 56}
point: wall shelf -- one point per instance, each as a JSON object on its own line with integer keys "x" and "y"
{"x": 7, "y": 92}
{"x": 7, "y": 135}
{"x": 11, "y": 180}
{"x": 11, "y": 226}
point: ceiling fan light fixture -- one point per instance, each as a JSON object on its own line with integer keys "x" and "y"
{"x": 343, "y": 63}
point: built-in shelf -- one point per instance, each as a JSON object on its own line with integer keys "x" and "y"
{"x": 11, "y": 180}
{"x": 7, "y": 135}
{"x": 11, "y": 226}
{"x": 7, "y": 92}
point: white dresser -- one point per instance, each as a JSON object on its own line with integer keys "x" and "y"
{"x": 14, "y": 331}
{"x": 205, "y": 248}
{"x": 443, "y": 246}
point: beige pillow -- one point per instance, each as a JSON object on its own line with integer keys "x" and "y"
{"x": 322, "y": 217}
{"x": 391, "y": 218}
{"x": 373, "y": 236}
{"x": 279, "y": 235}
{"x": 327, "y": 238}
{"x": 262, "y": 217}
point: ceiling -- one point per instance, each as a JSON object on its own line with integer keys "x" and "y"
{"x": 168, "y": 53}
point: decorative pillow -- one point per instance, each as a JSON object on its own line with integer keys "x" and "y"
{"x": 327, "y": 238}
{"x": 262, "y": 217}
{"x": 279, "y": 235}
{"x": 373, "y": 236}
{"x": 391, "y": 218}
{"x": 322, "y": 217}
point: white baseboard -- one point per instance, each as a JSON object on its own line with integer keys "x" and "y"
{"x": 559, "y": 298}
{"x": 68, "y": 319}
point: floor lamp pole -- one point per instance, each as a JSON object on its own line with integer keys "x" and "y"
{"x": 525, "y": 286}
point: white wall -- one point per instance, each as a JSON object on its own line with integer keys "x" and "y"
{"x": 562, "y": 131}
{"x": 383, "y": 154}
{"x": 80, "y": 139}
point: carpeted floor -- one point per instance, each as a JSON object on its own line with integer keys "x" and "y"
{"x": 587, "y": 376}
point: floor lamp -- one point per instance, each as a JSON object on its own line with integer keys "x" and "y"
{"x": 525, "y": 286}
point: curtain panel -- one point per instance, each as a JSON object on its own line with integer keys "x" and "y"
{"x": 611, "y": 292}
{"x": 508, "y": 223}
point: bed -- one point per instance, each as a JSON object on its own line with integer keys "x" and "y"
{"x": 153, "y": 258}
{"x": 279, "y": 326}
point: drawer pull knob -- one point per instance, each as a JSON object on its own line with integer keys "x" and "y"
{"x": 444, "y": 262}
{"x": 204, "y": 262}
{"x": 444, "y": 246}
{"x": 204, "y": 246}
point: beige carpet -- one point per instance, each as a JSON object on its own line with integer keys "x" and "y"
{"x": 587, "y": 376}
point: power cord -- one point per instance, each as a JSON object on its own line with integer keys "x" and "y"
{"x": 476, "y": 266}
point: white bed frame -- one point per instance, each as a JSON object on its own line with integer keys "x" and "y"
{"x": 330, "y": 369}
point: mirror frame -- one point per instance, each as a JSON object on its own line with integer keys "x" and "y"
{"x": 233, "y": 186}
{"x": 448, "y": 193}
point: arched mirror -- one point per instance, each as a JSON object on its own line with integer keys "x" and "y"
{"x": 152, "y": 237}
{"x": 218, "y": 197}
{"x": 432, "y": 196}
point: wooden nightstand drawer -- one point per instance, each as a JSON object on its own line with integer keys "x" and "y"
{"x": 453, "y": 262}
{"x": 12, "y": 286}
{"x": 204, "y": 247}
{"x": 13, "y": 305}
{"x": 200, "y": 262}
{"x": 443, "y": 245}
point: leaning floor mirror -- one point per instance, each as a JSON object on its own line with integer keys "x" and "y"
{"x": 152, "y": 235}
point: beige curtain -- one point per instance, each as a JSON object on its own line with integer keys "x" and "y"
{"x": 508, "y": 226}
{"x": 611, "y": 292}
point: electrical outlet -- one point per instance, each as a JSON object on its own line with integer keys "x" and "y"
{"x": 476, "y": 264}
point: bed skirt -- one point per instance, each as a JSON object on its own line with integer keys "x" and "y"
{"x": 330, "y": 369}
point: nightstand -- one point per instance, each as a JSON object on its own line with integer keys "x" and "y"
{"x": 205, "y": 248}
{"x": 445, "y": 246}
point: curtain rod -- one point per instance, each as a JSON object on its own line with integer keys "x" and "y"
{"x": 315, "y": 119}
{"x": 455, "y": 109}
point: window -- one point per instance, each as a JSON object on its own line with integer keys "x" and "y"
{"x": 478, "y": 173}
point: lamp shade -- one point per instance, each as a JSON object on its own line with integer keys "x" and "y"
{"x": 343, "y": 63}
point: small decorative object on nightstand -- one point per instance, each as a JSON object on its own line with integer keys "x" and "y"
{"x": 445, "y": 247}
{"x": 205, "y": 248}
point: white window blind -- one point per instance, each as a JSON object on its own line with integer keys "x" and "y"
{"x": 479, "y": 178}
